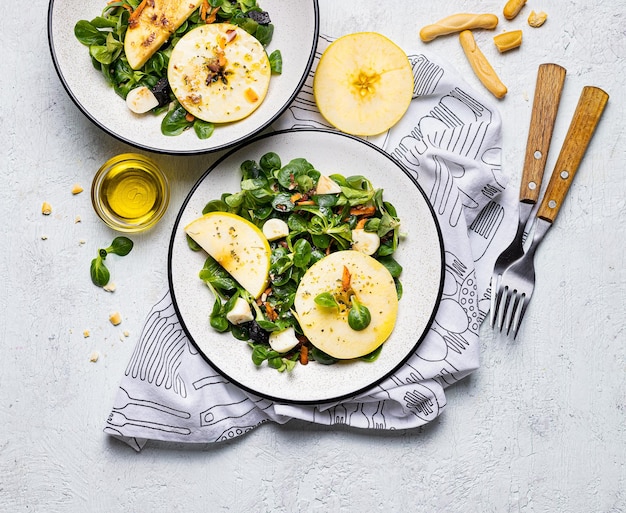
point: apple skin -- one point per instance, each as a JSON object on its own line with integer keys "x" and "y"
{"x": 328, "y": 328}
{"x": 237, "y": 245}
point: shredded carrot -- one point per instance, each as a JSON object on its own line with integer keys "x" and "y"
{"x": 304, "y": 355}
{"x": 271, "y": 313}
{"x": 221, "y": 58}
{"x": 306, "y": 202}
{"x": 189, "y": 117}
{"x": 134, "y": 17}
{"x": 295, "y": 197}
{"x": 363, "y": 211}
{"x": 203, "y": 9}
{"x": 212, "y": 16}
{"x": 361, "y": 224}
{"x": 345, "y": 279}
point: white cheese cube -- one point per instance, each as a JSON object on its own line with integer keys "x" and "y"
{"x": 283, "y": 341}
{"x": 240, "y": 312}
{"x": 275, "y": 229}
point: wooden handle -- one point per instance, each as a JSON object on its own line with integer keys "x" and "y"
{"x": 550, "y": 80}
{"x": 588, "y": 112}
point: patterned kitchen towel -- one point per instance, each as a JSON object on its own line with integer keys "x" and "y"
{"x": 450, "y": 140}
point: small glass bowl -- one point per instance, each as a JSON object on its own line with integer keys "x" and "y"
{"x": 130, "y": 193}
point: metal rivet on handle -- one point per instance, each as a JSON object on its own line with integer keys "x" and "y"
{"x": 537, "y": 154}
{"x": 552, "y": 204}
{"x": 532, "y": 186}
{"x": 565, "y": 174}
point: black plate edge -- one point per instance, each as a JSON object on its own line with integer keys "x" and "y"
{"x": 280, "y": 111}
{"x": 295, "y": 401}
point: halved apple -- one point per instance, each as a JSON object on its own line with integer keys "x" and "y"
{"x": 151, "y": 25}
{"x": 219, "y": 72}
{"x": 327, "y": 327}
{"x": 237, "y": 245}
{"x": 363, "y": 83}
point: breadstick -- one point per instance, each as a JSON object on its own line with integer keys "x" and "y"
{"x": 512, "y": 8}
{"x": 457, "y": 23}
{"x": 508, "y": 40}
{"x": 480, "y": 65}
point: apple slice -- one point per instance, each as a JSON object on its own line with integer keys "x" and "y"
{"x": 327, "y": 327}
{"x": 237, "y": 245}
{"x": 151, "y": 25}
{"x": 219, "y": 72}
{"x": 363, "y": 83}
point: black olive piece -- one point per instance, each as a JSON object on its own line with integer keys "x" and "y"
{"x": 161, "y": 91}
{"x": 261, "y": 17}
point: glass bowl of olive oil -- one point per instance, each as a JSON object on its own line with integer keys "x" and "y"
{"x": 130, "y": 193}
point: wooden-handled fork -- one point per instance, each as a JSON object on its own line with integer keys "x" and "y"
{"x": 518, "y": 281}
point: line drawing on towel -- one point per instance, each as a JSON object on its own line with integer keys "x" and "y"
{"x": 426, "y": 75}
{"x": 129, "y": 401}
{"x": 230, "y": 411}
{"x": 162, "y": 343}
{"x": 484, "y": 227}
{"x": 119, "y": 419}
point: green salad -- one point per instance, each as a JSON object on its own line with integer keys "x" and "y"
{"x": 104, "y": 36}
{"x": 320, "y": 221}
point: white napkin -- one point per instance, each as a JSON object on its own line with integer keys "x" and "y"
{"x": 450, "y": 139}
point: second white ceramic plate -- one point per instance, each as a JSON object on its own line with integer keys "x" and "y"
{"x": 420, "y": 254}
{"x": 296, "y": 30}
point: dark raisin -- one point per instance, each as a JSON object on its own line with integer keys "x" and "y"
{"x": 261, "y": 17}
{"x": 161, "y": 91}
{"x": 258, "y": 334}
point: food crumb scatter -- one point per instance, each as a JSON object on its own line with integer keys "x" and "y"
{"x": 76, "y": 189}
{"x": 126, "y": 334}
{"x": 115, "y": 318}
{"x": 44, "y": 237}
{"x": 110, "y": 287}
{"x": 536, "y": 19}
{"x": 86, "y": 333}
{"x": 93, "y": 357}
{"x": 77, "y": 219}
{"x": 82, "y": 241}
{"x": 46, "y": 208}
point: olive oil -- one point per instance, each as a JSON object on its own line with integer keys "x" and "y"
{"x": 130, "y": 193}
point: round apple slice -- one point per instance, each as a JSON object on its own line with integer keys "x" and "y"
{"x": 363, "y": 83}
{"x": 327, "y": 327}
{"x": 237, "y": 245}
{"x": 219, "y": 72}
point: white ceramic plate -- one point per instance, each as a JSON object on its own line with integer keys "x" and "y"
{"x": 296, "y": 30}
{"x": 420, "y": 254}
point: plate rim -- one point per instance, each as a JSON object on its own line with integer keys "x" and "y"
{"x": 199, "y": 151}
{"x": 337, "y": 398}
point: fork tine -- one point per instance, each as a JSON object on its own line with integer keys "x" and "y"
{"x": 512, "y": 320}
{"x": 522, "y": 311}
{"x": 503, "y": 298}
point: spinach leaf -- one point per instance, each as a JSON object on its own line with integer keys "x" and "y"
{"x": 175, "y": 121}
{"x": 276, "y": 62}
{"x": 88, "y": 34}
{"x": 100, "y": 275}
{"x": 203, "y": 129}
{"x": 120, "y": 246}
